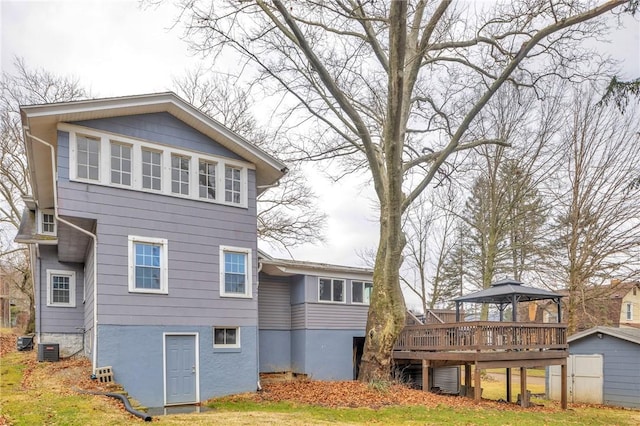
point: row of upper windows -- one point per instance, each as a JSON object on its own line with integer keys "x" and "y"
{"x": 128, "y": 163}
{"x": 148, "y": 272}
{"x": 332, "y": 290}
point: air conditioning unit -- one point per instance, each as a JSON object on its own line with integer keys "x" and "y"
{"x": 25, "y": 343}
{"x": 48, "y": 352}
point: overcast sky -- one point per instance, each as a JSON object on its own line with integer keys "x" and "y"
{"x": 115, "y": 48}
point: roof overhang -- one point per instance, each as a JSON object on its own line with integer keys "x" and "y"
{"x": 286, "y": 268}
{"x": 629, "y": 334}
{"x": 42, "y": 121}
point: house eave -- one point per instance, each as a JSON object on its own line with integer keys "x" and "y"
{"x": 285, "y": 267}
{"x": 633, "y": 337}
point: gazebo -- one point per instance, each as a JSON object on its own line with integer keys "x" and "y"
{"x": 490, "y": 344}
{"x": 508, "y": 292}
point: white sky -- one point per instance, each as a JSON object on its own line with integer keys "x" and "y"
{"x": 115, "y": 48}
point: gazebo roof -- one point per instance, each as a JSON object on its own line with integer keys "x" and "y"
{"x": 503, "y": 291}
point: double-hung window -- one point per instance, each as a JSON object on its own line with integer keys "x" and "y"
{"x": 148, "y": 269}
{"x": 232, "y": 184}
{"x": 629, "y": 311}
{"x": 180, "y": 174}
{"x": 207, "y": 179}
{"x": 120, "y": 164}
{"x": 330, "y": 290}
{"x": 361, "y": 292}
{"x": 226, "y": 337}
{"x": 61, "y": 288}
{"x": 47, "y": 222}
{"x": 151, "y": 169}
{"x": 88, "y": 157}
{"x": 235, "y": 272}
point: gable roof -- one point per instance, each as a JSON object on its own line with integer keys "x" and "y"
{"x": 629, "y": 334}
{"x": 42, "y": 120}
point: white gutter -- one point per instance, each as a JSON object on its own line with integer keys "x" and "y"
{"x": 54, "y": 175}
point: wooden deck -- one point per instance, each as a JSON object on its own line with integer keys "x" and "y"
{"x": 484, "y": 344}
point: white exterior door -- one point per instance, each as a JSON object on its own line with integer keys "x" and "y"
{"x": 585, "y": 379}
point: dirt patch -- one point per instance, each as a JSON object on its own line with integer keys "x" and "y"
{"x": 355, "y": 394}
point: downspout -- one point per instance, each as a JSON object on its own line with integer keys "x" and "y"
{"x": 258, "y": 327}
{"x": 54, "y": 175}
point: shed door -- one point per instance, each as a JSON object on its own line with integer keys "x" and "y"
{"x": 180, "y": 369}
{"x": 585, "y": 379}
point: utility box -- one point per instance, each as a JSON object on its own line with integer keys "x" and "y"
{"x": 25, "y": 343}
{"x": 48, "y": 352}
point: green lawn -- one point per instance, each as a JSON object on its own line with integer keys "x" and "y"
{"x": 44, "y": 400}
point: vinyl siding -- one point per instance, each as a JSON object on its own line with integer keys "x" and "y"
{"x": 335, "y": 316}
{"x": 195, "y": 231}
{"x": 59, "y": 319}
{"x": 160, "y": 127}
{"x": 621, "y": 367}
{"x": 274, "y": 307}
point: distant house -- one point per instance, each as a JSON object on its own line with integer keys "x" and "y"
{"x": 613, "y": 305}
{"x": 143, "y": 244}
{"x": 603, "y": 367}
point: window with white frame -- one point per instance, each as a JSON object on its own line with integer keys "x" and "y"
{"x": 361, "y": 292}
{"x": 88, "y": 157}
{"x": 180, "y": 174}
{"x": 151, "y": 169}
{"x": 226, "y": 337}
{"x": 235, "y": 272}
{"x": 104, "y": 159}
{"x": 47, "y": 222}
{"x": 629, "y": 311}
{"x": 232, "y": 184}
{"x": 331, "y": 290}
{"x": 207, "y": 179}
{"x": 61, "y": 288}
{"x": 148, "y": 265}
{"x": 120, "y": 164}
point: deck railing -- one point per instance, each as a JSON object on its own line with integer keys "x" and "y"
{"x": 482, "y": 336}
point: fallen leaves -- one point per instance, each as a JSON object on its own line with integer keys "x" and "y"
{"x": 352, "y": 394}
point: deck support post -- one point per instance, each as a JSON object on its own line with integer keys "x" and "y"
{"x": 563, "y": 386}
{"x": 425, "y": 375}
{"x": 524, "y": 399}
{"x": 467, "y": 377}
{"x": 477, "y": 389}
{"x": 508, "y": 376}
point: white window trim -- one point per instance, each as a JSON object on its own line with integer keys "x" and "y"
{"x": 41, "y": 220}
{"x": 628, "y": 311}
{"x": 363, "y": 286}
{"x": 226, "y": 346}
{"x": 104, "y": 174}
{"x": 248, "y": 294}
{"x": 72, "y": 288}
{"x": 344, "y": 290}
{"x": 164, "y": 267}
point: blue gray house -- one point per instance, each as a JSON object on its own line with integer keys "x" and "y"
{"x": 143, "y": 244}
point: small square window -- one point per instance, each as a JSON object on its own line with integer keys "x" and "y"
{"x": 47, "y": 222}
{"x": 361, "y": 292}
{"x": 148, "y": 265}
{"x": 331, "y": 290}
{"x": 235, "y": 272}
{"x": 61, "y": 288}
{"x": 226, "y": 337}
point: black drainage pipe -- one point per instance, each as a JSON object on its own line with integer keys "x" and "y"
{"x": 124, "y": 399}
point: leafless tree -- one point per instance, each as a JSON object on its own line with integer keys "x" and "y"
{"x": 287, "y": 214}
{"x": 395, "y": 87}
{"x": 597, "y": 213}
{"x": 25, "y": 86}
